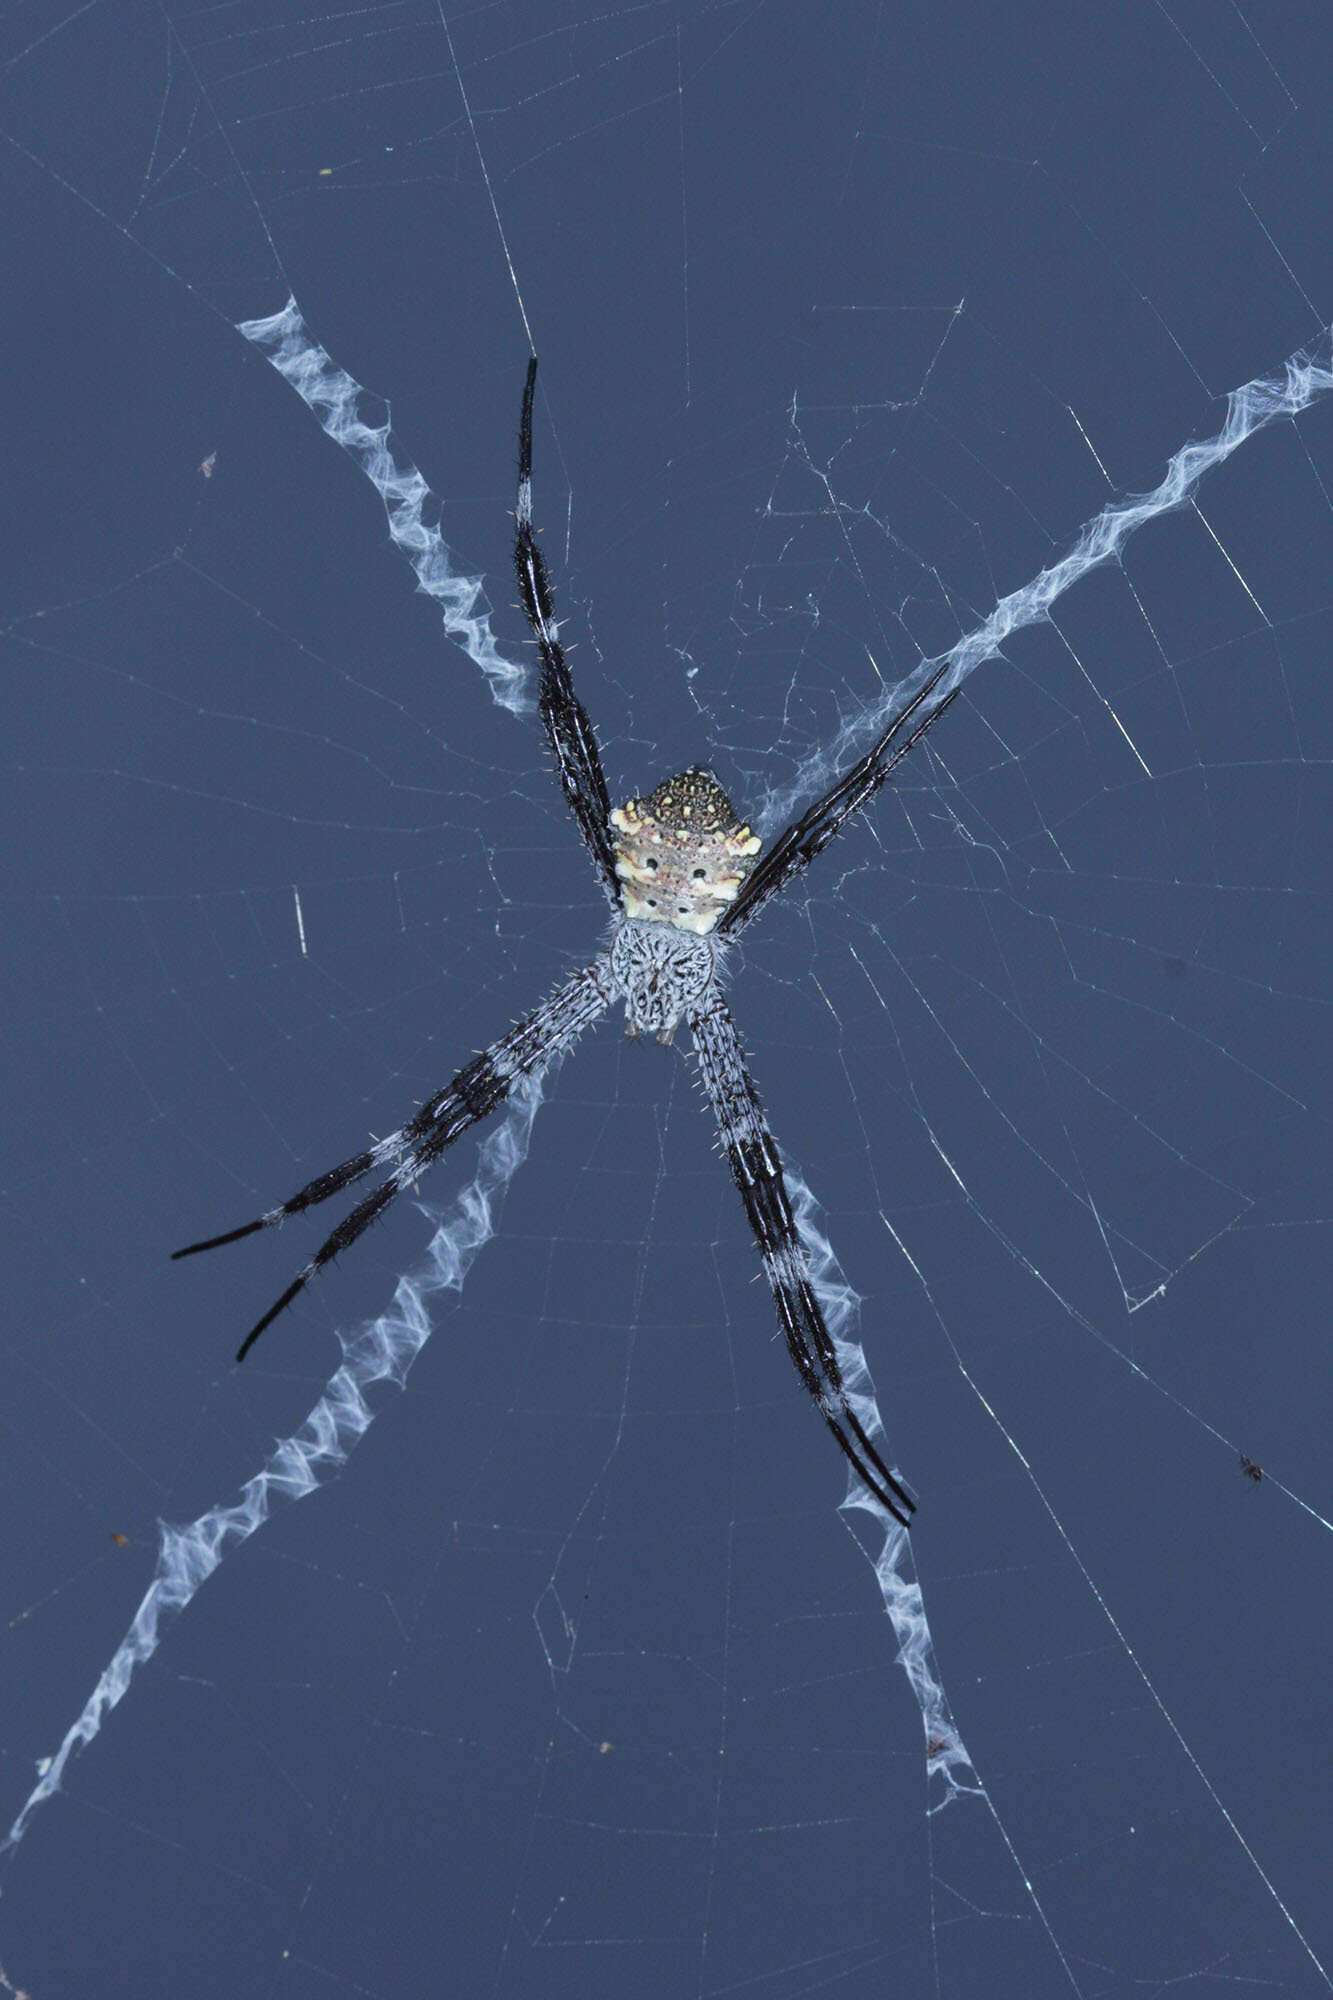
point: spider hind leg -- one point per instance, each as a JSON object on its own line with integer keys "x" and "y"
{"x": 569, "y": 730}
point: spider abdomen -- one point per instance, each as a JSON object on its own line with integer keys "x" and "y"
{"x": 682, "y": 852}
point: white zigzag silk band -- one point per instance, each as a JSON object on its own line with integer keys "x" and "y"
{"x": 1305, "y": 377}
{"x": 381, "y": 1351}
{"x": 335, "y": 399}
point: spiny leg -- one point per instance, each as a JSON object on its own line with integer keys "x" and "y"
{"x": 796, "y": 847}
{"x": 475, "y": 1092}
{"x": 756, "y": 1168}
{"x": 567, "y": 725}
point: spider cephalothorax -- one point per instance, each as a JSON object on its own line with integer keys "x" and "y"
{"x": 661, "y": 974}
{"x": 682, "y": 853}
{"x": 682, "y": 874}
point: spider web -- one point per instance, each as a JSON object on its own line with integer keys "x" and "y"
{"x": 575, "y": 1680}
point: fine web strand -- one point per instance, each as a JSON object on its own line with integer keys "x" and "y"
{"x": 950, "y": 1772}
{"x": 1305, "y": 377}
{"x": 335, "y": 399}
{"x": 1104, "y": 1607}
{"x": 382, "y": 1350}
{"x": 948, "y": 1762}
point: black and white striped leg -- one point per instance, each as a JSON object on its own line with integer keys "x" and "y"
{"x": 756, "y": 1167}
{"x": 567, "y": 725}
{"x": 478, "y": 1089}
{"x": 796, "y": 847}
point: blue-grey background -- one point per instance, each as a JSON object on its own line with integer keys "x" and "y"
{"x": 575, "y": 1683}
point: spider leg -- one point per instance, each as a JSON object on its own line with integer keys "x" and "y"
{"x": 478, "y": 1089}
{"x": 756, "y": 1167}
{"x": 331, "y": 1183}
{"x": 567, "y": 725}
{"x": 797, "y": 846}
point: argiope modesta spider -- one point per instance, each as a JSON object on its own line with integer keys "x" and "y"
{"x": 683, "y": 876}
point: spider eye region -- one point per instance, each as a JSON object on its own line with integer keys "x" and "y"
{"x": 686, "y": 839}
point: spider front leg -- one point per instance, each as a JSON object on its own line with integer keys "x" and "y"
{"x": 756, "y": 1167}
{"x": 478, "y": 1089}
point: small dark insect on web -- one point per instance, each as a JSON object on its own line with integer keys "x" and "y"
{"x": 1251, "y": 1470}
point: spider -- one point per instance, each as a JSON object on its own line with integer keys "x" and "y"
{"x": 683, "y": 876}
